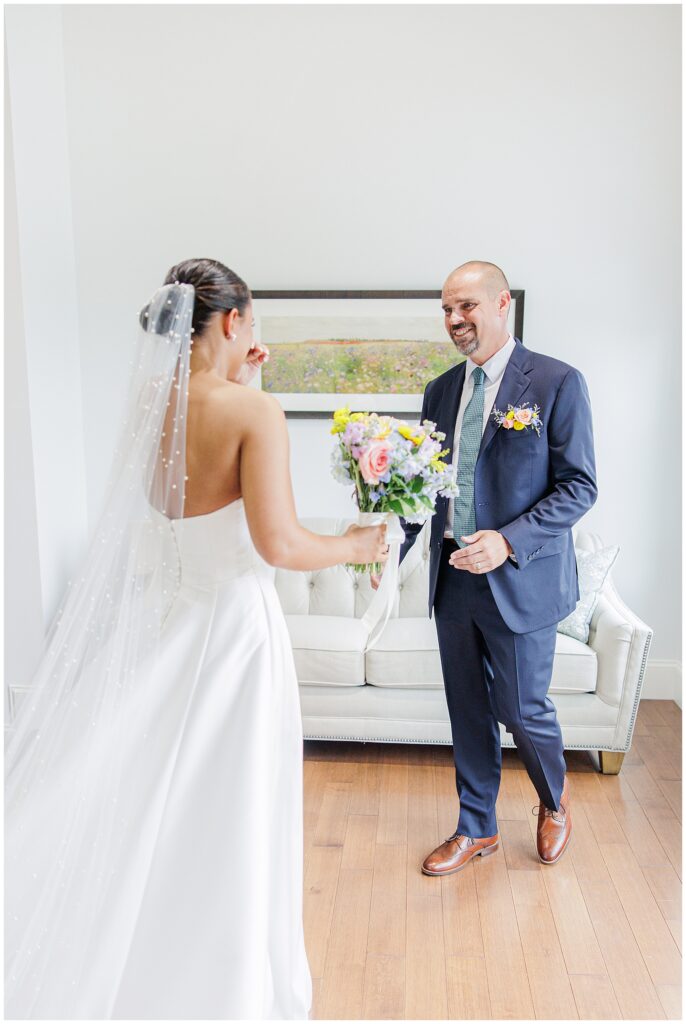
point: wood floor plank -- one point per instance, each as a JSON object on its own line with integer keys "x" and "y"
{"x": 461, "y": 920}
{"x": 350, "y": 921}
{"x": 426, "y": 995}
{"x": 333, "y": 814}
{"x": 384, "y": 987}
{"x": 422, "y": 820}
{"x": 520, "y": 851}
{"x": 314, "y": 783}
{"x": 670, "y": 997}
{"x": 595, "y": 997}
{"x": 631, "y": 981}
{"x": 670, "y": 713}
{"x": 649, "y": 927}
{"x": 626, "y": 968}
{"x": 392, "y": 820}
{"x": 359, "y": 842}
{"x": 545, "y": 965}
{"x": 675, "y": 927}
{"x": 508, "y": 982}
{"x": 668, "y": 828}
{"x": 588, "y": 793}
{"x": 649, "y": 712}
{"x": 388, "y": 910}
{"x": 322, "y": 866}
{"x": 509, "y": 805}
{"x": 468, "y": 997}
{"x": 639, "y": 834}
{"x": 658, "y": 753}
{"x": 341, "y": 995}
{"x": 672, "y": 792}
{"x": 575, "y": 931}
{"x": 364, "y": 798}
{"x": 644, "y": 785}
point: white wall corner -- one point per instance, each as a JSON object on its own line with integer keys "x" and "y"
{"x": 662, "y": 681}
{"x": 46, "y": 277}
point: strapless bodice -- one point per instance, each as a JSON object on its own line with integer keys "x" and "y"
{"x": 217, "y": 546}
{"x": 212, "y": 548}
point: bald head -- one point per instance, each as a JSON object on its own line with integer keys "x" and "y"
{"x": 488, "y": 275}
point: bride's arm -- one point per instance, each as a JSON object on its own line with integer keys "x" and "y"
{"x": 270, "y": 507}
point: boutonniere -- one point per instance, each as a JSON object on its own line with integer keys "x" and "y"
{"x": 519, "y": 417}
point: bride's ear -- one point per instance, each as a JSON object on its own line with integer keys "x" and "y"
{"x": 229, "y": 324}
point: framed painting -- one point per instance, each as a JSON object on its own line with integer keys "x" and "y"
{"x": 374, "y": 351}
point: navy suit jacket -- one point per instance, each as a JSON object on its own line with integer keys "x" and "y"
{"x": 531, "y": 489}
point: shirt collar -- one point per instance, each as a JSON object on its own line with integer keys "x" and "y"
{"x": 495, "y": 366}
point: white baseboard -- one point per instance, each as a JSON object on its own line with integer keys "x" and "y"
{"x": 662, "y": 681}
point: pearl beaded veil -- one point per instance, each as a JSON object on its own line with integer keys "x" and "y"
{"x": 68, "y": 830}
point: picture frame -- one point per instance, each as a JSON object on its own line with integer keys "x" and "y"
{"x": 374, "y": 351}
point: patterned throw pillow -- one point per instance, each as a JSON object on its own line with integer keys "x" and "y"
{"x": 593, "y": 568}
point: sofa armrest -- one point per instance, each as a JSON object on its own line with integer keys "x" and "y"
{"x": 621, "y": 642}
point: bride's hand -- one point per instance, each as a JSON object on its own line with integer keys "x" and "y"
{"x": 369, "y": 543}
{"x": 257, "y": 355}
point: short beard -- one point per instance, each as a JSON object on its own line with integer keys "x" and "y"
{"x": 471, "y": 346}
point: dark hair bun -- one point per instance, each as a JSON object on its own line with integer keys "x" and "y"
{"x": 217, "y": 290}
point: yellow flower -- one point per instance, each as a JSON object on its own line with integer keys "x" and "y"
{"x": 510, "y": 415}
{"x": 382, "y": 435}
{"x": 408, "y": 434}
{"x": 355, "y": 417}
{"x": 340, "y": 420}
{"x": 518, "y": 425}
{"x": 436, "y": 462}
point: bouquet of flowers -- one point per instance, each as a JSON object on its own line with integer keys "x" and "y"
{"x": 397, "y": 469}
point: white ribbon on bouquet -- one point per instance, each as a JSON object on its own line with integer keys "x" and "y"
{"x": 376, "y": 616}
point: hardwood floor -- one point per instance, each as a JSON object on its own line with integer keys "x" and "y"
{"x": 595, "y": 936}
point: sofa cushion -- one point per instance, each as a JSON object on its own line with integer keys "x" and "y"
{"x": 407, "y": 656}
{"x": 575, "y": 669}
{"x": 328, "y": 649}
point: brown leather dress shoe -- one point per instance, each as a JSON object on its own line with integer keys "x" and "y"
{"x": 456, "y": 852}
{"x": 554, "y": 829}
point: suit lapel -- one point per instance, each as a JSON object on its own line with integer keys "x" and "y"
{"x": 514, "y": 384}
{"x": 447, "y": 412}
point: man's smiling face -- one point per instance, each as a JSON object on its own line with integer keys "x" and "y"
{"x": 475, "y": 301}
{"x": 468, "y": 310}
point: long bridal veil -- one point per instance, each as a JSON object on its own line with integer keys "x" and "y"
{"x": 70, "y": 830}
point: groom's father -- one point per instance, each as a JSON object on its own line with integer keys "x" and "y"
{"x": 503, "y": 571}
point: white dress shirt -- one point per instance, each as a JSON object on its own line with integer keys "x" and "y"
{"x": 494, "y": 368}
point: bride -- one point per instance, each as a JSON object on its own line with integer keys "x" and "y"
{"x": 153, "y": 835}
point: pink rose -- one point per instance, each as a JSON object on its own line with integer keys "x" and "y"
{"x": 507, "y": 424}
{"x": 374, "y": 461}
{"x": 524, "y": 416}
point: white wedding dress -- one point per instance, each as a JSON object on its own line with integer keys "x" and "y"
{"x": 203, "y": 910}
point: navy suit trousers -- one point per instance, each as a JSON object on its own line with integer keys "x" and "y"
{"x": 493, "y": 675}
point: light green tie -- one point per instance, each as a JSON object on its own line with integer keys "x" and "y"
{"x": 464, "y": 517}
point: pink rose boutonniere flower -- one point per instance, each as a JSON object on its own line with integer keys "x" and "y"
{"x": 519, "y": 417}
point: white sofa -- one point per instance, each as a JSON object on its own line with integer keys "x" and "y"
{"x": 394, "y": 692}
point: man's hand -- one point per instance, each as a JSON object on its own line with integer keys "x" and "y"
{"x": 257, "y": 355}
{"x": 487, "y": 549}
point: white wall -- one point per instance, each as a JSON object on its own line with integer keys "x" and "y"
{"x": 378, "y": 147}
{"x": 45, "y": 506}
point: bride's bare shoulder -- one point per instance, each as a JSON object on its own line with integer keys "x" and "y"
{"x": 247, "y": 407}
